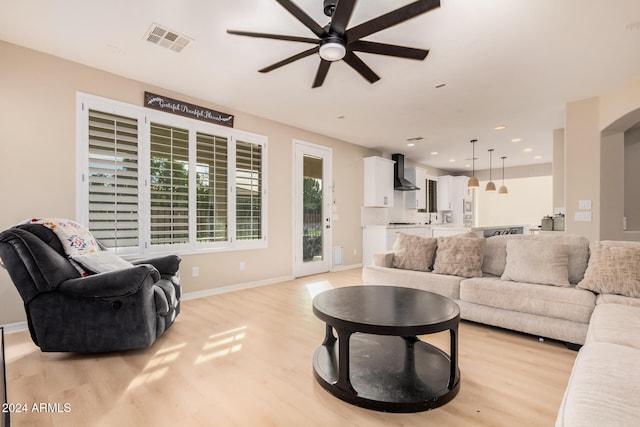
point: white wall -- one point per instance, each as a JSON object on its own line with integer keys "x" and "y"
{"x": 529, "y": 199}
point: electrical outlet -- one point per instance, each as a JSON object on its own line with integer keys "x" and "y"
{"x": 195, "y": 272}
{"x": 242, "y": 265}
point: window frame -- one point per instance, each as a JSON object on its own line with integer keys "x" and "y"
{"x": 146, "y": 116}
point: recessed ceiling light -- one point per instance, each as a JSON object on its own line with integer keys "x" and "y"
{"x": 411, "y": 144}
{"x": 467, "y": 165}
{"x": 415, "y": 139}
{"x": 500, "y": 127}
{"x": 516, "y": 140}
{"x": 537, "y": 157}
{"x": 528, "y": 150}
{"x": 452, "y": 160}
{"x": 434, "y": 153}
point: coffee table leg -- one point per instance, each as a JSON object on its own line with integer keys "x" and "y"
{"x": 329, "y": 338}
{"x": 344, "y": 380}
{"x": 453, "y": 376}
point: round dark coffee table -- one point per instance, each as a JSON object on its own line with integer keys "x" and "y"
{"x": 377, "y": 361}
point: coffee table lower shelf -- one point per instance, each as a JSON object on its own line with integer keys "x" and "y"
{"x": 389, "y": 373}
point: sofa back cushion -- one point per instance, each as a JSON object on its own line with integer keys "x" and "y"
{"x": 495, "y": 258}
{"x": 414, "y": 252}
{"x": 537, "y": 261}
{"x": 460, "y": 255}
{"x": 614, "y": 268}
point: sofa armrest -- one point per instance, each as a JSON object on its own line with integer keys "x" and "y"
{"x": 116, "y": 283}
{"x": 166, "y": 265}
{"x": 384, "y": 259}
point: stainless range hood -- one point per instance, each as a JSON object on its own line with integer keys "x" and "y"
{"x": 400, "y": 183}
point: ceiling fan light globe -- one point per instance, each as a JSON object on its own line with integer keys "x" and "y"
{"x": 332, "y": 51}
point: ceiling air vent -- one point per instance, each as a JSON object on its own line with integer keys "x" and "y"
{"x": 164, "y": 37}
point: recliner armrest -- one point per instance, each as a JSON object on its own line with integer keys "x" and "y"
{"x": 166, "y": 265}
{"x": 116, "y": 283}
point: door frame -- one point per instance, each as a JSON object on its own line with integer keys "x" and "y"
{"x": 300, "y": 149}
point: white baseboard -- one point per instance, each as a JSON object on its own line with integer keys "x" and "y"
{"x": 346, "y": 267}
{"x": 15, "y": 327}
{"x": 231, "y": 288}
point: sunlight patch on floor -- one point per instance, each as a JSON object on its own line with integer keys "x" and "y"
{"x": 157, "y": 367}
{"x": 316, "y": 287}
{"x": 222, "y": 344}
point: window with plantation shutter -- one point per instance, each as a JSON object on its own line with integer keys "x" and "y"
{"x": 113, "y": 179}
{"x": 169, "y": 184}
{"x": 248, "y": 191}
{"x": 152, "y": 182}
{"x": 212, "y": 182}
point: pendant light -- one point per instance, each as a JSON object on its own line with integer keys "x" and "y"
{"x": 491, "y": 187}
{"x": 503, "y": 189}
{"x": 473, "y": 181}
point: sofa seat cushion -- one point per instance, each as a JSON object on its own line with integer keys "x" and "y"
{"x": 617, "y": 299}
{"x": 615, "y": 324}
{"x": 561, "y": 303}
{"x": 603, "y": 387}
{"x": 441, "y": 284}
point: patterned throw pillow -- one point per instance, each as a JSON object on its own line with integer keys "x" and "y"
{"x": 460, "y": 255}
{"x": 537, "y": 261}
{"x": 75, "y": 238}
{"x": 613, "y": 270}
{"x": 413, "y": 252}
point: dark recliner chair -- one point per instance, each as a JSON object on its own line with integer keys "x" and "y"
{"x": 117, "y": 310}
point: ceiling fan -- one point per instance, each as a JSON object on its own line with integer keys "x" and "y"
{"x": 335, "y": 42}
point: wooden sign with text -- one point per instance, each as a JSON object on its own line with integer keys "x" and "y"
{"x": 163, "y": 103}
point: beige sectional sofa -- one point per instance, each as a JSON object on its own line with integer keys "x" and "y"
{"x": 557, "y": 286}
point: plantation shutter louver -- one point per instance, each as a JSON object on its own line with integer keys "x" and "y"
{"x": 211, "y": 180}
{"x": 248, "y": 191}
{"x": 113, "y": 179}
{"x": 169, "y": 184}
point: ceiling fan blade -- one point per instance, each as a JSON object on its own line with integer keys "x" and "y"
{"x": 389, "y": 50}
{"x": 303, "y": 17}
{"x": 390, "y": 19}
{"x": 321, "y": 74}
{"x": 362, "y": 68}
{"x": 290, "y": 59}
{"x": 341, "y": 16}
{"x": 274, "y": 36}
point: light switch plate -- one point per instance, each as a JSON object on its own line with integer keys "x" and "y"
{"x": 584, "y": 204}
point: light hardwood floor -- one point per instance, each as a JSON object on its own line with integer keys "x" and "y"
{"x": 244, "y": 359}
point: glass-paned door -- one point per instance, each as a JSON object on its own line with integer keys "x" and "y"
{"x": 312, "y": 214}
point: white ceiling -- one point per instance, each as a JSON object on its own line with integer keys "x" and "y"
{"x": 511, "y": 62}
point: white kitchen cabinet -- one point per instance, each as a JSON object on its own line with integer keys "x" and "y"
{"x": 381, "y": 239}
{"x": 416, "y": 199}
{"x": 445, "y": 193}
{"x": 460, "y": 193}
{"x": 378, "y": 182}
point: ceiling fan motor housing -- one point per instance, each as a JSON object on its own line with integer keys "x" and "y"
{"x": 329, "y": 7}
